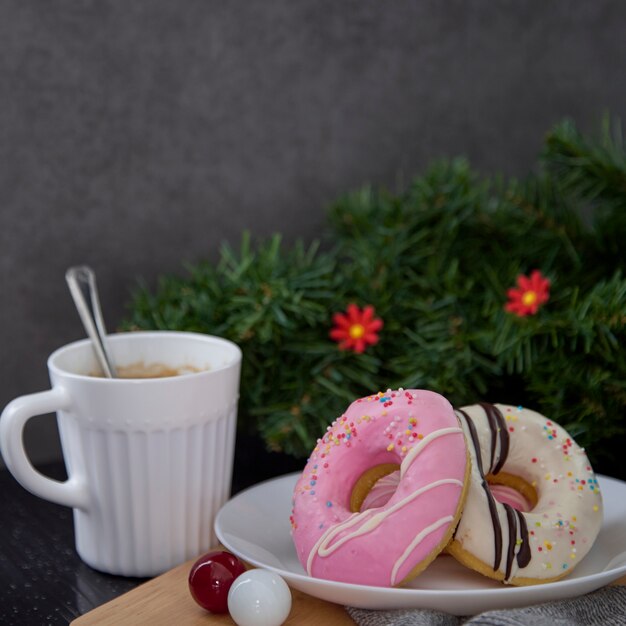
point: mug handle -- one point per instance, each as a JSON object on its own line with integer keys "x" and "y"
{"x": 73, "y": 492}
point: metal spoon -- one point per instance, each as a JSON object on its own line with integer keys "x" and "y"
{"x": 82, "y": 283}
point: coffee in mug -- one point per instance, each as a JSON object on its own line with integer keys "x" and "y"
{"x": 149, "y": 370}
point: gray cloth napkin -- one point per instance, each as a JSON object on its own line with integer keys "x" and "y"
{"x": 606, "y": 607}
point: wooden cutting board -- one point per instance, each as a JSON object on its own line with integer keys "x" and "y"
{"x": 165, "y": 600}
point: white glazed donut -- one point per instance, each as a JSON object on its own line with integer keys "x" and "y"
{"x": 541, "y": 544}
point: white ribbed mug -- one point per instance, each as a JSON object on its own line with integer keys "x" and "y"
{"x": 149, "y": 461}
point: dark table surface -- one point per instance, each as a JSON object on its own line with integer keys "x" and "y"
{"x": 42, "y": 579}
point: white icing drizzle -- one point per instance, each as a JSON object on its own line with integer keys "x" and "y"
{"x": 415, "y": 450}
{"x": 418, "y": 539}
{"x": 353, "y": 519}
{"x": 322, "y": 546}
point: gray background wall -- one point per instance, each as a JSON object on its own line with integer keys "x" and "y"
{"x": 136, "y": 136}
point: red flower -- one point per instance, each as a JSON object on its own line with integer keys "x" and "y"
{"x": 357, "y": 328}
{"x": 533, "y": 291}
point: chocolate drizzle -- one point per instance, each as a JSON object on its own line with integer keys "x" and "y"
{"x": 510, "y": 553}
{"x": 495, "y": 520}
{"x": 497, "y": 425}
{"x": 515, "y": 519}
{"x": 524, "y": 555}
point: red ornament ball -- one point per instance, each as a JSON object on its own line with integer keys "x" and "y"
{"x": 211, "y": 577}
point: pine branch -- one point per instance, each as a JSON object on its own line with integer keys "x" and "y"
{"x": 594, "y": 173}
{"x": 436, "y": 262}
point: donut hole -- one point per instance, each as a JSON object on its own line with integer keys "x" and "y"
{"x": 374, "y": 487}
{"x": 513, "y": 490}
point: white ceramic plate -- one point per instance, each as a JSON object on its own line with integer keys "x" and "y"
{"x": 254, "y": 525}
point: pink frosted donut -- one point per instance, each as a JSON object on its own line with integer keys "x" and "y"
{"x": 382, "y": 546}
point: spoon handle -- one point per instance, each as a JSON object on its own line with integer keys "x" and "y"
{"x": 82, "y": 283}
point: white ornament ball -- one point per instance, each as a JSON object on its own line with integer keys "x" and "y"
{"x": 259, "y": 598}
